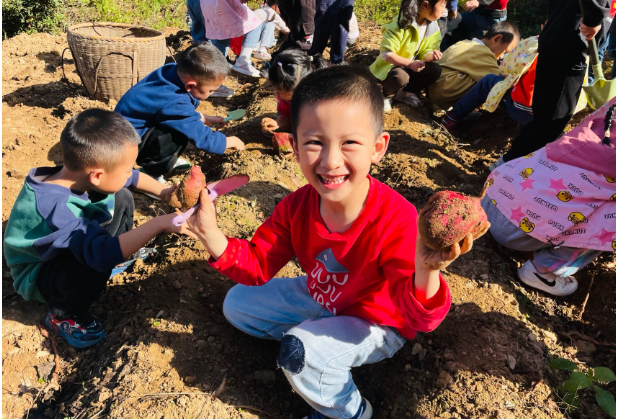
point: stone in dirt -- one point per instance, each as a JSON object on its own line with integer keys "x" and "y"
{"x": 444, "y": 379}
{"x": 511, "y": 362}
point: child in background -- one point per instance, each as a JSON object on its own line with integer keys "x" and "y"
{"x": 465, "y": 63}
{"x": 449, "y": 17}
{"x": 332, "y": 24}
{"x": 287, "y": 70}
{"x": 268, "y": 14}
{"x": 372, "y": 283}
{"x": 162, "y": 108}
{"x": 408, "y": 51}
{"x": 299, "y": 15}
{"x": 479, "y": 15}
{"x": 71, "y": 224}
{"x": 559, "y": 203}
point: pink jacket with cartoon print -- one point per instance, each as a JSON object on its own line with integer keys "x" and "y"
{"x": 564, "y": 193}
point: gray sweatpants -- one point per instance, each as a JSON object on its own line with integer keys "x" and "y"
{"x": 561, "y": 260}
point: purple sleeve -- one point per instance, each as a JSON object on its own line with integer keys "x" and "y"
{"x": 131, "y": 183}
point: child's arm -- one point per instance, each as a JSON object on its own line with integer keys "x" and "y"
{"x": 398, "y": 61}
{"x": 147, "y": 184}
{"x": 248, "y": 263}
{"x": 132, "y": 241}
{"x": 212, "y": 120}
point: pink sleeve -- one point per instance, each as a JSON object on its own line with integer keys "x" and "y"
{"x": 257, "y": 261}
{"x": 399, "y": 268}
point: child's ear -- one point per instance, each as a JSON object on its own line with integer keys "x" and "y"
{"x": 95, "y": 176}
{"x": 294, "y": 146}
{"x": 498, "y": 39}
{"x": 189, "y": 85}
{"x": 381, "y": 146}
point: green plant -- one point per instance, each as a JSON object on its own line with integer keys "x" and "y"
{"x": 580, "y": 380}
{"x": 31, "y": 16}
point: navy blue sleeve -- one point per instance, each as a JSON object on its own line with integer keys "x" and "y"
{"x": 594, "y": 11}
{"x": 182, "y": 117}
{"x": 132, "y": 181}
{"x": 91, "y": 244}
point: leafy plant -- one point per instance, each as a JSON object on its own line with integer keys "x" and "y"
{"x": 580, "y": 380}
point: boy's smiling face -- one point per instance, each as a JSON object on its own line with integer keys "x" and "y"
{"x": 335, "y": 146}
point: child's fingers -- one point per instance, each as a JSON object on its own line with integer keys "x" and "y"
{"x": 467, "y": 244}
{"x": 452, "y": 253}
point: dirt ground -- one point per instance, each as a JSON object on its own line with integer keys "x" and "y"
{"x": 170, "y": 352}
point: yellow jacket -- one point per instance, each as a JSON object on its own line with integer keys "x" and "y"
{"x": 404, "y": 43}
{"x": 462, "y": 66}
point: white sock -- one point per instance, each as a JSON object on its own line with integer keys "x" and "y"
{"x": 245, "y": 54}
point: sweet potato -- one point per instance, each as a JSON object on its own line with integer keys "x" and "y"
{"x": 448, "y": 217}
{"x": 187, "y": 194}
{"x": 281, "y": 143}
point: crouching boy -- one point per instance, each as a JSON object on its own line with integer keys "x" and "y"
{"x": 162, "y": 108}
{"x": 71, "y": 224}
{"x": 371, "y": 282}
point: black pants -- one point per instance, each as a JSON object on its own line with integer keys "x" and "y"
{"x": 68, "y": 286}
{"x": 410, "y": 81}
{"x": 159, "y": 150}
{"x": 556, "y": 92}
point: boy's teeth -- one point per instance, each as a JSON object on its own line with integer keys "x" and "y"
{"x": 333, "y": 180}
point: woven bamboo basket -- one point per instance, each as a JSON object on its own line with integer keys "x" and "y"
{"x": 112, "y": 57}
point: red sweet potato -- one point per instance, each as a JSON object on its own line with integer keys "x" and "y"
{"x": 187, "y": 194}
{"x": 281, "y": 143}
{"x": 448, "y": 217}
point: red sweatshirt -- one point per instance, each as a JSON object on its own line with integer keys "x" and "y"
{"x": 366, "y": 272}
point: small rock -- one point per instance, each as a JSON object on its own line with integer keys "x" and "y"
{"x": 415, "y": 350}
{"x": 41, "y": 354}
{"x": 484, "y": 276}
{"x": 104, "y": 395}
{"x": 190, "y": 379}
{"x": 538, "y": 349}
{"x": 444, "y": 379}
{"x": 532, "y": 337}
{"x": 549, "y": 335}
{"x": 265, "y": 376}
{"x": 177, "y": 285}
{"x": 422, "y": 354}
{"x": 511, "y": 362}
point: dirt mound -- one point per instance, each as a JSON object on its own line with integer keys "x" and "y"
{"x": 171, "y": 353}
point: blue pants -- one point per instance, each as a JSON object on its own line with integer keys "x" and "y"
{"x": 318, "y": 349}
{"x": 198, "y": 25}
{"x": 478, "y": 94}
{"x": 262, "y": 35}
{"x": 332, "y": 23}
{"x": 472, "y": 25}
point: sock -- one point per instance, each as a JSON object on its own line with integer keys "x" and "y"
{"x": 245, "y": 55}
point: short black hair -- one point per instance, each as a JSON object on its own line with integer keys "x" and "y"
{"x": 291, "y": 66}
{"x": 203, "y": 61}
{"x": 409, "y": 10}
{"x": 344, "y": 83}
{"x": 507, "y": 30}
{"x": 96, "y": 138}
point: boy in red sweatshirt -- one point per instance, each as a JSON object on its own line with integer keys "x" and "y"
{"x": 371, "y": 283}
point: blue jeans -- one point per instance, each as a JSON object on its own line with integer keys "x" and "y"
{"x": 562, "y": 261}
{"x": 198, "y": 25}
{"x": 472, "y": 25}
{"x": 221, "y": 44}
{"x": 478, "y": 94}
{"x": 332, "y": 23}
{"x": 318, "y": 349}
{"x": 262, "y": 35}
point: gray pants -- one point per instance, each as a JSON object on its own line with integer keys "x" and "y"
{"x": 562, "y": 260}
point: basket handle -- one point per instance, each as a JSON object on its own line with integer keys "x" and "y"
{"x": 64, "y": 77}
{"x": 133, "y": 59}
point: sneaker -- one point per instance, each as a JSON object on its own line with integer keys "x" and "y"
{"x": 448, "y": 122}
{"x": 75, "y": 334}
{"x": 473, "y": 116}
{"x": 548, "y": 282}
{"x": 182, "y": 165}
{"x": 246, "y": 67}
{"x": 223, "y": 91}
{"x": 262, "y": 53}
{"x": 365, "y": 412}
{"x": 387, "y": 105}
{"x": 408, "y": 98}
{"x": 496, "y": 164}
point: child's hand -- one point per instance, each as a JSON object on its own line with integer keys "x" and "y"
{"x": 234, "y": 143}
{"x": 268, "y": 125}
{"x": 167, "y": 225}
{"x": 433, "y": 56}
{"x": 471, "y": 4}
{"x": 167, "y": 193}
{"x": 588, "y": 31}
{"x": 203, "y": 224}
{"x": 436, "y": 260}
{"x": 416, "y": 66}
{"x": 214, "y": 120}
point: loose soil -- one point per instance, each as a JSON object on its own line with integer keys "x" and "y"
{"x": 170, "y": 352}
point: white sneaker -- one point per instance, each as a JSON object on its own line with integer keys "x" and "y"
{"x": 182, "y": 165}
{"x": 548, "y": 282}
{"x": 387, "y": 105}
{"x": 408, "y": 98}
{"x": 365, "y": 408}
{"x": 223, "y": 91}
{"x": 262, "y": 53}
{"x": 246, "y": 67}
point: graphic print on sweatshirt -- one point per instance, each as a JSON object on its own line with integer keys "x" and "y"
{"x": 326, "y": 279}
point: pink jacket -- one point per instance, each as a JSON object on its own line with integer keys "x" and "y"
{"x": 564, "y": 193}
{"x": 226, "y": 19}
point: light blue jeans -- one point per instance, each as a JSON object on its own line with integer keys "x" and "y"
{"x": 262, "y": 35}
{"x": 318, "y": 349}
{"x": 221, "y": 44}
{"x": 560, "y": 260}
